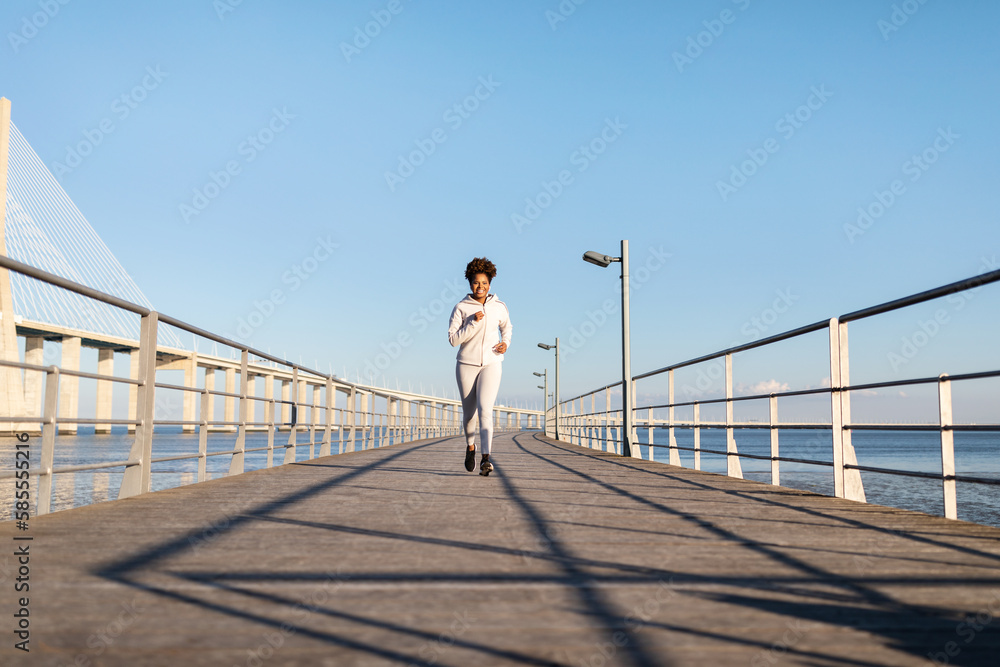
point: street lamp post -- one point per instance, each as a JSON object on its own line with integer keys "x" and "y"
{"x": 555, "y": 401}
{"x": 627, "y": 398}
{"x": 545, "y": 398}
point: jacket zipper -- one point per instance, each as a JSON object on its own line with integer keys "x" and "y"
{"x": 482, "y": 345}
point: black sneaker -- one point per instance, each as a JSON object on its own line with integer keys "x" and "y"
{"x": 485, "y": 468}
{"x": 470, "y": 459}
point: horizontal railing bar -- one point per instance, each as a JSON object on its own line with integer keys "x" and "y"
{"x": 920, "y": 297}
{"x": 972, "y": 427}
{"x": 751, "y": 456}
{"x": 34, "y": 472}
{"x": 902, "y": 473}
{"x": 223, "y": 453}
{"x": 96, "y": 376}
{"x": 975, "y": 480}
{"x": 924, "y": 475}
{"x": 755, "y": 397}
{"x": 563, "y": 418}
{"x": 595, "y": 391}
{"x": 183, "y": 457}
{"x": 809, "y": 328}
{"x": 814, "y": 462}
{"x": 739, "y": 426}
{"x": 72, "y": 373}
{"x": 94, "y": 466}
{"x": 924, "y": 427}
{"x": 824, "y": 390}
{"x": 925, "y": 380}
{"x": 718, "y": 424}
{"x": 178, "y": 387}
{"x": 94, "y": 420}
{"x": 710, "y": 451}
{"x": 59, "y": 281}
{"x": 24, "y": 366}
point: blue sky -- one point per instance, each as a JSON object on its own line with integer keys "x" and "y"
{"x": 248, "y": 160}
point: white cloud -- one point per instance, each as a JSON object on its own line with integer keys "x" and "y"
{"x": 765, "y": 387}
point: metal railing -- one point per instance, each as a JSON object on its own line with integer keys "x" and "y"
{"x": 601, "y": 429}
{"x": 406, "y": 416}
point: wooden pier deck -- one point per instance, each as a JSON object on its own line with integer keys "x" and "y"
{"x": 564, "y": 556}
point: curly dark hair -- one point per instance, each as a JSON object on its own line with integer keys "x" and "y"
{"x": 480, "y": 265}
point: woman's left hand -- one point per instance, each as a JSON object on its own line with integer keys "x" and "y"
{"x": 500, "y": 348}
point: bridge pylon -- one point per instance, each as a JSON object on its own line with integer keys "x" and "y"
{"x": 11, "y": 385}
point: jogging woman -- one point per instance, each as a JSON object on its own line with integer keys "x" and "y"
{"x": 481, "y": 324}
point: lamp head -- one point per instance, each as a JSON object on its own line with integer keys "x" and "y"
{"x": 597, "y": 258}
{"x": 537, "y": 374}
{"x": 545, "y": 347}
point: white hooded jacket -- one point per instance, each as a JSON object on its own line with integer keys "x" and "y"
{"x": 477, "y": 338}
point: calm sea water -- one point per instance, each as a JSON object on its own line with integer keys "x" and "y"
{"x": 976, "y": 454}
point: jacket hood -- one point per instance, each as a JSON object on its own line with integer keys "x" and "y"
{"x": 469, "y": 299}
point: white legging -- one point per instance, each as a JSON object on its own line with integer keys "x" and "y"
{"x": 478, "y": 386}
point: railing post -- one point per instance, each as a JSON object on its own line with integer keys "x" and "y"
{"x": 293, "y": 434}
{"x": 630, "y": 422}
{"x": 697, "y": 437}
{"x": 609, "y": 444}
{"x": 733, "y": 467}
{"x": 50, "y": 426}
{"x": 363, "y": 421}
{"x": 650, "y": 428}
{"x": 773, "y": 422}
{"x": 314, "y": 419}
{"x": 203, "y": 436}
{"x": 324, "y": 449}
{"x": 351, "y": 415}
{"x": 383, "y": 420}
{"x": 393, "y": 408}
{"x": 236, "y": 463}
{"x": 269, "y": 415}
{"x": 594, "y": 441}
{"x": 846, "y": 482}
{"x": 675, "y": 454}
{"x": 578, "y": 422}
{"x": 947, "y": 448}
{"x": 138, "y": 477}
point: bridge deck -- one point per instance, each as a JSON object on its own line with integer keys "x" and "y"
{"x": 562, "y": 556}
